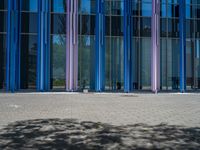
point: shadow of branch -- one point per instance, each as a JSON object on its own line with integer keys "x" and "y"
{"x": 72, "y": 134}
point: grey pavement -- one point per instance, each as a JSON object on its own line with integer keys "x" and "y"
{"x": 115, "y": 109}
{"x": 99, "y": 121}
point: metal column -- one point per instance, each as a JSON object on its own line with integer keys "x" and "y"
{"x": 127, "y": 45}
{"x": 72, "y": 45}
{"x": 100, "y": 47}
{"x": 43, "y": 55}
{"x": 182, "y": 30}
{"x": 155, "y": 46}
{"x": 12, "y": 51}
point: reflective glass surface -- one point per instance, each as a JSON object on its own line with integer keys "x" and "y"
{"x": 192, "y": 44}
{"x": 58, "y": 6}
{"x": 28, "y": 61}
{"x": 114, "y": 45}
{"x": 86, "y": 44}
{"x": 3, "y": 5}
{"x": 141, "y": 45}
{"x": 169, "y": 45}
{"x": 87, "y": 6}
{"x": 30, "y": 5}
{"x": 58, "y": 63}
{"x": 3, "y": 29}
{"x": 28, "y": 43}
{"x": 58, "y": 44}
{"x": 2, "y": 60}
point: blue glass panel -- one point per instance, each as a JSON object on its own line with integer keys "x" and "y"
{"x": 30, "y": 5}
{"x": 58, "y": 6}
{"x": 2, "y": 60}
{"x": 87, "y": 6}
{"x": 3, "y": 5}
{"x": 58, "y": 61}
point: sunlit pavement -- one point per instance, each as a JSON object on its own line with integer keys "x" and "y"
{"x": 76, "y": 121}
{"x": 115, "y": 109}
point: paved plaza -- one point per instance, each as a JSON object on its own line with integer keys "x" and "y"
{"x": 99, "y": 121}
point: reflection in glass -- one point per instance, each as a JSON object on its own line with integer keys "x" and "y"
{"x": 2, "y": 60}
{"x": 86, "y": 67}
{"x": 193, "y": 63}
{"x": 3, "y": 5}
{"x": 141, "y": 45}
{"x": 141, "y": 63}
{"x": 58, "y": 61}
{"x": 3, "y": 30}
{"x": 58, "y": 44}
{"x": 114, "y": 46}
{"x": 30, "y": 5}
{"x": 28, "y": 49}
{"x": 58, "y": 6}
{"x": 3, "y": 21}
{"x": 169, "y": 46}
{"x": 58, "y": 24}
{"x": 87, "y": 6}
{"x": 29, "y": 22}
{"x": 86, "y": 44}
{"x": 28, "y": 61}
{"x": 169, "y": 64}
{"x": 192, "y": 45}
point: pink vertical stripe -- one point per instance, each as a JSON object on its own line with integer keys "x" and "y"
{"x": 155, "y": 49}
{"x": 72, "y": 45}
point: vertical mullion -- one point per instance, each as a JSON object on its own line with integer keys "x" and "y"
{"x": 19, "y": 46}
{"x": 47, "y": 46}
{"x": 155, "y": 47}
{"x": 39, "y": 45}
{"x": 43, "y": 61}
{"x": 72, "y": 45}
{"x": 100, "y": 47}
{"x": 8, "y": 45}
{"x": 127, "y": 45}
{"x": 12, "y": 70}
{"x": 182, "y": 46}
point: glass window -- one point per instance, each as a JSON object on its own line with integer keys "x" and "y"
{"x": 114, "y": 69}
{"x": 146, "y": 9}
{"x": 86, "y": 59}
{"x": 58, "y": 61}
{"x": 87, "y": 24}
{"x": 30, "y": 5}
{"x": 145, "y": 25}
{"x": 58, "y": 6}
{"x": 86, "y": 44}
{"x": 3, "y": 5}
{"x": 28, "y": 61}
{"x": 29, "y": 22}
{"x": 87, "y": 6}
{"x": 2, "y": 61}
{"x": 169, "y": 64}
{"x": 58, "y": 24}
{"x": 3, "y": 21}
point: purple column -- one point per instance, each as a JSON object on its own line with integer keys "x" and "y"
{"x": 72, "y": 45}
{"x": 155, "y": 46}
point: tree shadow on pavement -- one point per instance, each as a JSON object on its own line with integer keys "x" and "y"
{"x": 75, "y": 135}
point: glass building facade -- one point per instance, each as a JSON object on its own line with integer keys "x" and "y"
{"x": 100, "y": 45}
